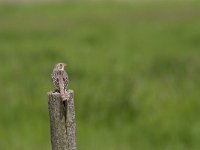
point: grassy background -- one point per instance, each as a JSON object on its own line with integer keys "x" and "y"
{"x": 134, "y": 68}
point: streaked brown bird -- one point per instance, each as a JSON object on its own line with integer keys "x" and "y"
{"x": 60, "y": 80}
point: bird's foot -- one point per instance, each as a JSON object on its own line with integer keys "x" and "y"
{"x": 57, "y": 91}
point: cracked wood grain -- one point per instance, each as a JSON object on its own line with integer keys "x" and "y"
{"x": 62, "y": 121}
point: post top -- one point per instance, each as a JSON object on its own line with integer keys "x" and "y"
{"x": 57, "y": 93}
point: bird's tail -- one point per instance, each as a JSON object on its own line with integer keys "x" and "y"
{"x": 64, "y": 94}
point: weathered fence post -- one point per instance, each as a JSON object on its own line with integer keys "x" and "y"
{"x": 57, "y": 121}
{"x": 62, "y": 121}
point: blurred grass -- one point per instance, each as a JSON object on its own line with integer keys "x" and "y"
{"x": 134, "y": 69}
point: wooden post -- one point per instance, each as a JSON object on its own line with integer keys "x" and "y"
{"x": 62, "y": 121}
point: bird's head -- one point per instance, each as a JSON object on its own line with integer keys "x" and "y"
{"x": 60, "y": 66}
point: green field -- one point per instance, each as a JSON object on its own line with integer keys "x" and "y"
{"x": 135, "y": 70}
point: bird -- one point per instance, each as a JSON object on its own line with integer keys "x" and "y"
{"x": 60, "y": 80}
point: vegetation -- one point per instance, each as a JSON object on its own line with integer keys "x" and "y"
{"x": 134, "y": 69}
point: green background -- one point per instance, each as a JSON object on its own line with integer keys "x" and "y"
{"x": 134, "y": 67}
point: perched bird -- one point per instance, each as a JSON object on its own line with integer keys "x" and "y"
{"x": 60, "y": 80}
